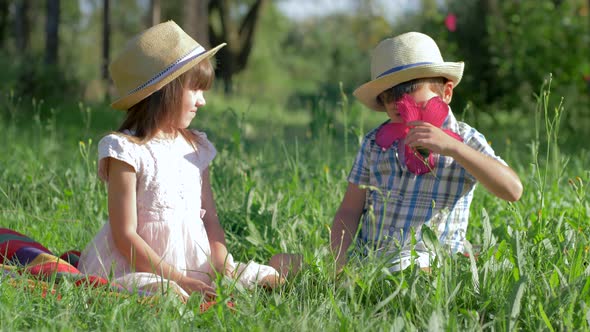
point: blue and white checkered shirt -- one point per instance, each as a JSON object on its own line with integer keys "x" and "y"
{"x": 398, "y": 200}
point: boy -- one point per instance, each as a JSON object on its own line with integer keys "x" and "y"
{"x": 386, "y": 195}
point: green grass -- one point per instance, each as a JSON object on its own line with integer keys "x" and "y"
{"x": 278, "y": 179}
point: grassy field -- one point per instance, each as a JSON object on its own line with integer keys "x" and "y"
{"x": 278, "y": 179}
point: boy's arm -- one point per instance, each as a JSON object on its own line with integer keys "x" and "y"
{"x": 346, "y": 222}
{"x": 497, "y": 178}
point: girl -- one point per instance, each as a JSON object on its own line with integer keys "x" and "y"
{"x": 163, "y": 229}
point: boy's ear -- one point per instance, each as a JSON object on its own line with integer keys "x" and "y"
{"x": 448, "y": 92}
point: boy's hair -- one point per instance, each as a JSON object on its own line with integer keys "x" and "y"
{"x": 437, "y": 85}
{"x": 163, "y": 107}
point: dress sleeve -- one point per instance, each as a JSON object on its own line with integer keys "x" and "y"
{"x": 205, "y": 150}
{"x": 117, "y": 147}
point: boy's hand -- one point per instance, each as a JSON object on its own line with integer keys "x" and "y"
{"x": 496, "y": 177}
{"x": 424, "y": 135}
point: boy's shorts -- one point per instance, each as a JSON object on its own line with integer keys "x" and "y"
{"x": 404, "y": 259}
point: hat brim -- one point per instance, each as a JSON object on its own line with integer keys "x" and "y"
{"x": 124, "y": 103}
{"x": 368, "y": 92}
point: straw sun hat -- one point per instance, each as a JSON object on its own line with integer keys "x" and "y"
{"x": 153, "y": 59}
{"x": 404, "y": 58}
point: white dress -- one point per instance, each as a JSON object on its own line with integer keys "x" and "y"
{"x": 168, "y": 213}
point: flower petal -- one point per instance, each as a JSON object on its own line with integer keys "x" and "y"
{"x": 435, "y": 112}
{"x": 389, "y": 133}
{"x": 453, "y": 135}
{"x": 408, "y": 109}
{"x": 416, "y": 163}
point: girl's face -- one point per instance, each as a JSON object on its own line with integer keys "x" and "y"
{"x": 191, "y": 101}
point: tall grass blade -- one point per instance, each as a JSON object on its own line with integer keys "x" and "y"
{"x": 545, "y": 318}
{"x": 515, "y": 301}
{"x": 488, "y": 238}
{"x": 472, "y": 267}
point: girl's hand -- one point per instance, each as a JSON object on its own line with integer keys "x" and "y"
{"x": 191, "y": 285}
{"x": 425, "y": 135}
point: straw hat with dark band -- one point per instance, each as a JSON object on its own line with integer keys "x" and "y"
{"x": 153, "y": 59}
{"x": 403, "y": 58}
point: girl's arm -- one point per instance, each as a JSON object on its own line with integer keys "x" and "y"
{"x": 214, "y": 230}
{"x": 123, "y": 222}
{"x": 346, "y": 222}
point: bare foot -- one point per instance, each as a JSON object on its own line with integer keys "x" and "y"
{"x": 271, "y": 282}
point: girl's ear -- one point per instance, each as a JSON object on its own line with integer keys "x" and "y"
{"x": 448, "y": 92}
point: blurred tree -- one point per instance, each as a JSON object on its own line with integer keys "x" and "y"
{"x": 173, "y": 10}
{"x": 51, "y": 32}
{"x": 301, "y": 62}
{"x": 267, "y": 76}
{"x": 508, "y": 47}
{"x": 154, "y": 13}
{"x": 196, "y": 20}
{"x": 106, "y": 40}
{"x": 470, "y": 44}
{"x": 238, "y": 35}
{"x": 22, "y": 25}
{"x": 430, "y": 8}
{"x": 529, "y": 41}
{"x": 3, "y": 22}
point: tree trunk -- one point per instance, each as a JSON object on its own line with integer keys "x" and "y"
{"x": 106, "y": 39}
{"x": 22, "y": 24}
{"x": 196, "y": 20}
{"x": 52, "y": 32}
{"x": 3, "y": 21}
{"x": 155, "y": 13}
{"x": 202, "y": 23}
{"x": 233, "y": 58}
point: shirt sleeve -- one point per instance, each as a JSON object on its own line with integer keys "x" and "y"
{"x": 205, "y": 150}
{"x": 478, "y": 142}
{"x": 359, "y": 174}
{"x": 118, "y": 147}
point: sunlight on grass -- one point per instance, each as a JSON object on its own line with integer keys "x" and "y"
{"x": 278, "y": 182}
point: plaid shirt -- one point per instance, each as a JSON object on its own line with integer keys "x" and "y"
{"x": 398, "y": 201}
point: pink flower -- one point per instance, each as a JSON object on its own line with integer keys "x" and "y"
{"x": 419, "y": 161}
{"x": 451, "y": 22}
{"x": 390, "y": 133}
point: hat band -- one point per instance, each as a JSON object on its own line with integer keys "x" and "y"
{"x": 173, "y": 67}
{"x": 394, "y": 69}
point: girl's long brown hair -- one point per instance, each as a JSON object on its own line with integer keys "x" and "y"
{"x": 161, "y": 109}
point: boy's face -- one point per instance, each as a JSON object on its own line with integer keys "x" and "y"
{"x": 421, "y": 95}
